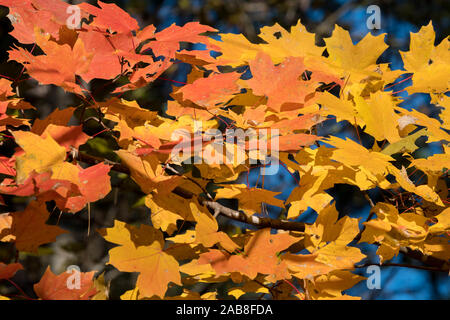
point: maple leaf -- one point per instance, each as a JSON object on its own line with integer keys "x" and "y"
{"x": 67, "y": 137}
{"x": 259, "y": 256}
{"x": 168, "y": 40}
{"x": 141, "y": 250}
{"x": 296, "y": 43}
{"x": 249, "y": 286}
{"x": 44, "y": 187}
{"x": 6, "y": 120}
{"x": 93, "y": 183}
{"x": 8, "y": 271}
{"x": 393, "y": 230}
{"x": 237, "y": 50}
{"x": 250, "y": 199}
{"x": 433, "y": 164}
{"x": 57, "y": 118}
{"x": 197, "y": 58}
{"x": 110, "y": 17}
{"x": 55, "y": 287}
{"x": 339, "y": 107}
{"x": 7, "y": 166}
{"x": 40, "y": 154}
{"x": 128, "y": 115}
{"x": 354, "y": 60}
{"x": 280, "y": 84}
{"x": 46, "y": 15}
{"x": 305, "y": 266}
{"x": 29, "y": 228}
{"x": 350, "y": 153}
{"x": 433, "y": 126}
{"x": 327, "y": 229}
{"x": 5, "y": 89}
{"x": 104, "y": 54}
{"x": 206, "y": 230}
{"x": 329, "y": 258}
{"x": 148, "y": 173}
{"x": 310, "y": 193}
{"x": 429, "y": 64}
{"x": 425, "y": 191}
{"x": 330, "y": 286}
{"x": 51, "y": 68}
{"x": 406, "y": 144}
{"x": 167, "y": 210}
{"x": 210, "y": 91}
{"x": 288, "y": 87}
{"x": 327, "y": 240}
{"x": 6, "y": 101}
{"x": 443, "y": 222}
{"x": 378, "y": 115}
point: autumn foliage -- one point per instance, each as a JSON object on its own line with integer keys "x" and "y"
{"x": 285, "y": 82}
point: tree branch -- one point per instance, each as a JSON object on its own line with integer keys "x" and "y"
{"x": 253, "y": 220}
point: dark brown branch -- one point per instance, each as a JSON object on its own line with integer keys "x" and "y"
{"x": 253, "y": 220}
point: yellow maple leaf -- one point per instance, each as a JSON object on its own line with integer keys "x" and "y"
{"x": 444, "y": 102}
{"x": 296, "y": 43}
{"x": 339, "y": 107}
{"x": 392, "y": 230}
{"x": 166, "y": 210}
{"x": 425, "y": 191}
{"x": 353, "y": 154}
{"x": 429, "y": 64}
{"x": 354, "y": 60}
{"x": 206, "y": 229}
{"x": 141, "y": 250}
{"x": 250, "y": 199}
{"x": 443, "y": 223}
{"x": 41, "y": 154}
{"x": 327, "y": 228}
{"x": 148, "y": 173}
{"x": 5, "y": 226}
{"x": 330, "y": 286}
{"x": 30, "y": 230}
{"x": 248, "y": 287}
{"x": 433, "y": 126}
{"x": 236, "y": 49}
{"x": 378, "y": 115}
{"x": 310, "y": 193}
